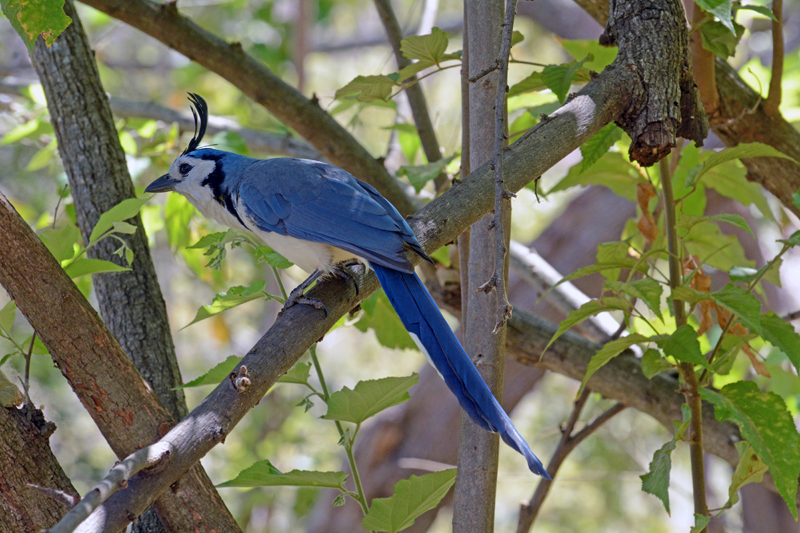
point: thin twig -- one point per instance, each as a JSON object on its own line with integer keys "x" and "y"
{"x": 59, "y": 495}
{"x": 773, "y": 102}
{"x": 464, "y": 238}
{"x": 116, "y": 479}
{"x": 691, "y": 389}
{"x": 569, "y": 441}
{"x": 488, "y": 70}
{"x": 502, "y": 197}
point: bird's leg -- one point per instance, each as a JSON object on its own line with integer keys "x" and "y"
{"x": 342, "y": 271}
{"x": 297, "y": 296}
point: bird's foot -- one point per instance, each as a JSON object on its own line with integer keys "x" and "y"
{"x": 342, "y": 271}
{"x": 297, "y": 296}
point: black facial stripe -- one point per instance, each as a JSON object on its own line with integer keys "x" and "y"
{"x": 214, "y": 182}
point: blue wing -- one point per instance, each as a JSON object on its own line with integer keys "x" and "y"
{"x": 317, "y": 202}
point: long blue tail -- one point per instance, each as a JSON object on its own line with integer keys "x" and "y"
{"x": 423, "y": 320}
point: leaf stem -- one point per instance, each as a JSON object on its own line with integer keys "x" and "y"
{"x": 691, "y": 390}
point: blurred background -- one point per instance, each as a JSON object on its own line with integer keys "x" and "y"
{"x": 318, "y": 46}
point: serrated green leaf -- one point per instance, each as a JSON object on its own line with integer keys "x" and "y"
{"x": 60, "y": 242}
{"x": 298, "y": 374}
{"x": 219, "y": 237}
{"x": 647, "y": 290}
{"x": 627, "y": 262}
{"x": 656, "y": 481}
{"x": 761, "y": 10}
{"x": 419, "y": 175}
{"x": 612, "y": 171}
{"x": 590, "y": 308}
{"x": 369, "y": 398}
{"x": 715, "y": 248}
{"x": 7, "y": 315}
{"x": 235, "y": 296}
{"x": 264, "y": 474}
{"x": 33, "y": 18}
{"x": 653, "y": 364}
{"x": 782, "y": 335}
{"x": 750, "y": 469}
{"x": 689, "y": 221}
{"x": 742, "y": 304}
{"x": 609, "y": 351}
{"x": 368, "y": 88}
{"x": 124, "y": 210}
{"x": 719, "y": 39}
{"x": 596, "y": 147}
{"x": 272, "y": 258}
{"x": 683, "y": 345}
{"x": 769, "y": 272}
{"x": 411, "y": 498}
{"x": 381, "y": 317}
{"x": 768, "y": 426}
{"x": 82, "y": 267}
{"x": 430, "y": 48}
{"x": 729, "y": 179}
{"x": 740, "y": 151}
{"x": 559, "y": 78}
{"x": 532, "y": 83}
{"x": 603, "y": 56}
{"x": 720, "y": 9}
{"x": 215, "y": 375}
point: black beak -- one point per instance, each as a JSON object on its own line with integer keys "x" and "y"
{"x": 163, "y": 184}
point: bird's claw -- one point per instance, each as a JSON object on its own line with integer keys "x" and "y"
{"x": 300, "y": 298}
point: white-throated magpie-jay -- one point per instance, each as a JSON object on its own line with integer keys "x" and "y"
{"x": 317, "y": 215}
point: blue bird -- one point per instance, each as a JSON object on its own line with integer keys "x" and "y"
{"x": 318, "y": 216}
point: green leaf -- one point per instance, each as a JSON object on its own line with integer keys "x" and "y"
{"x": 297, "y": 374}
{"x": 596, "y": 147}
{"x": 127, "y": 143}
{"x": 532, "y": 83}
{"x": 178, "y": 213}
{"x": 609, "y": 351}
{"x": 42, "y": 158}
{"x": 730, "y": 180}
{"x": 683, "y": 345}
{"x": 264, "y": 474}
{"x": 368, "y": 88}
{"x": 689, "y": 221}
{"x": 627, "y": 262}
{"x": 720, "y": 9}
{"x": 741, "y": 274}
{"x": 7, "y": 315}
{"x": 603, "y": 55}
{"x": 215, "y": 375}
{"x": 425, "y": 48}
{"x": 750, "y": 469}
{"x": 33, "y": 18}
{"x": 740, "y": 151}
{"x": 719, "y": 39}
{"x": 768, "y": 426}
{"x": 381, "y": 317}
{"x": 272, "y": 258}
{"x": 700, "y": 523}
{"x": 228, "y": 300}
{"x": 124, "y": 210}
{"x": 796, "y": 199}
{"x": 742, "y": 304}
{"x": 369, "y": 398}
{"x": 612, "y": 171}
{"x": 653, "y": 364}
{"x": 656, "y": 480}
{"x": 218, "y": 237}
{"x": 419, "y": 175}
{"x": 715, "y": 248}
{"x": 230, "y": 141}
{"x": 782, "y": 335}
{"x": 60, "y": 242}
{"x": 21, "y": 131}
{"x": 590, "y": 308}
{"x": 647, "y": 290}
{"x": 793, "y": 240}
{"x": 761, "y": 10}
{"x": 82, "y": 267}
{"x": 559, "y": 78}
{"x": 411, "y": 498}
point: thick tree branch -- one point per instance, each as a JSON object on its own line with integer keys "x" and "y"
{"x": 741, "y": 118}
{"x": 163, "y": 22}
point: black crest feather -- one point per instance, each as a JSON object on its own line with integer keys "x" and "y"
{"x": 200, "y": 113}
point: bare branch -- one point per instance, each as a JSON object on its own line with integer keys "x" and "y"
{"x": 66, "y": 499}
{"x": 116, "y": 479}
{"x": 773, "y": 102}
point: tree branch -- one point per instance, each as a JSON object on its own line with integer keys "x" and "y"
{"x": 773, "y": 102}
{"x": 163, "y": 22}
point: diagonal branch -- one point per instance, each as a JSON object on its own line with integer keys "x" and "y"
{"x": 165, "y": 23}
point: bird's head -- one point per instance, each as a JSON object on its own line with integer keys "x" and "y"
{"x": 193, "y": 166}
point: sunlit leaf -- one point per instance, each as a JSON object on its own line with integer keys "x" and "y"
{"x": 589, "y": 309}
{"x": 609, "y": 351}
{"x": 368, "y": 88}
{"x": 264, "y": 474}
{"x": 33, "y": 18}
{"x": 612, "y": 170}
{"x": 559, "y": 78}
{"x": 689, "y": 221}
{"x": 596, "y": 147}
{"x": 720, "y": 9}
{"x": 369, "y": 398}
{"x": 411, "y": 498}
{"x": 647, "y": 290}
{"x": 298, "y": 374}
{"x": 234, "y": 297}
{"x": 7, "y": 315}
{"x": 83, "y": 266}
{"x": 60, "y": 242}
{"x": 740, "y": 151}
{"x": 653, "y": 364}
{"x": 215, "y": 375}
{"x": 683, "y": 345}
{"x": 124, "y": 210}
{"x": 425, "y": 48}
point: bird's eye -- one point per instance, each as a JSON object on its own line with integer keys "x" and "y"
{"x": 185, "y": 168}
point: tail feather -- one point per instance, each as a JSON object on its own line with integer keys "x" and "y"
{"x": 425, "y": 323}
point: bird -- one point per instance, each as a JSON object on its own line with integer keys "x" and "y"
{"x": 319, "y": 217}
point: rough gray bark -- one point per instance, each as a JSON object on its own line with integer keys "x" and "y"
{"x": 476, "y": 483}
{"x": 654, "y": 43}
{"x": 26, "y": 457}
